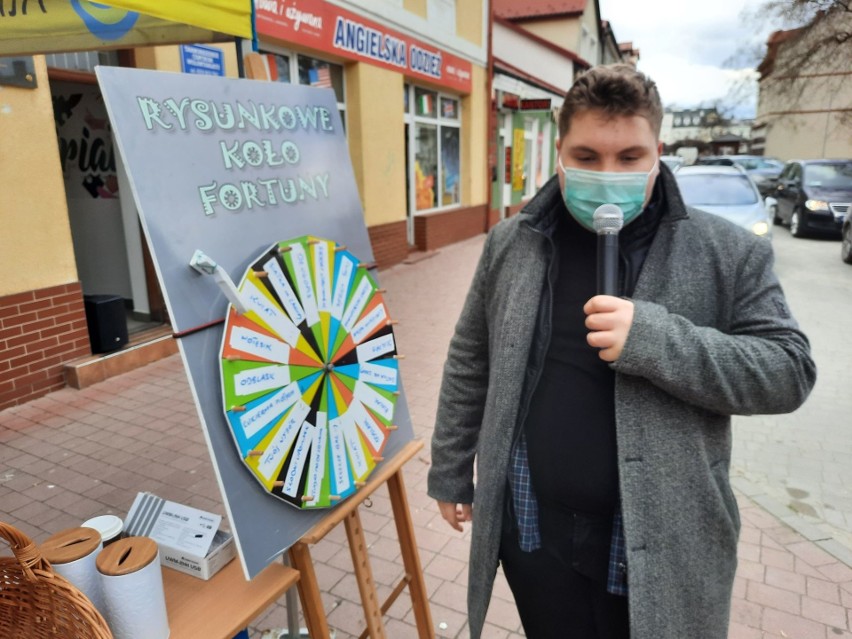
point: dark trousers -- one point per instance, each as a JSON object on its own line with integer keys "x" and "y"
{"x": 560, "y": 589}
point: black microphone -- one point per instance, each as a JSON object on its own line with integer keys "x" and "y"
{"x": 608, "y": 220}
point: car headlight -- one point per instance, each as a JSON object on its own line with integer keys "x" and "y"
{"x": 817, "y": 205}
{"x": 760, "y": 228}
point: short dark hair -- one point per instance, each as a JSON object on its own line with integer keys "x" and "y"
{"x": 616, "y": 90}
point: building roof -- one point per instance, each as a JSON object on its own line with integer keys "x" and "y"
{"x": 520, "y": 74}
{"x": 525, "y": 9}
{"x": 776, "y": 38}
{"x": 539, "y": 40}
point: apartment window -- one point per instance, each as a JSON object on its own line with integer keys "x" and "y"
{"x": 296, "y": 68}
{"x": 433, "y": 148}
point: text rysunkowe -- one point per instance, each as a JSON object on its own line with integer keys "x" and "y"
{"x": 272, "y": 151}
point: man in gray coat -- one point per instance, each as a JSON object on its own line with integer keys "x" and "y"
{"x": 599, "y": 426}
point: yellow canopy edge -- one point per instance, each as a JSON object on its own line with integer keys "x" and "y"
{"x": 226, "y": 16}
{"x": 80, "y": 25}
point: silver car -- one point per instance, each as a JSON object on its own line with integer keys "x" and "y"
{"x": 726, "y": 191}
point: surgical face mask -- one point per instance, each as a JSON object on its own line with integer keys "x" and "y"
{"x": 585, "y": 191}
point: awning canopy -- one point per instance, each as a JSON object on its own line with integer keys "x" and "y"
{"x": 45, "y": 26}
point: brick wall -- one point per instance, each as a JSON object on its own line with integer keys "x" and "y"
{"x": 389, "y": 242}
{"x": 39, "y": 331}
{"x": 434, "y": 230}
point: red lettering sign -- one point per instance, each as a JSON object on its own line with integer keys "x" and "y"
{"x": 326, "y": 27}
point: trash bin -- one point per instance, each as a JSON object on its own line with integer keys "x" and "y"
{"x": 107, "y": 322}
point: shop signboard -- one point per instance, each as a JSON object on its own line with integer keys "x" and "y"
{"x": 326, "y": 27}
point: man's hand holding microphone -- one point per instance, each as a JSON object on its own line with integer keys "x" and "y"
{"x": 608, "y": 316}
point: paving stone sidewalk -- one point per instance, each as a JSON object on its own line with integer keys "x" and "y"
{"x": 76, "y": 454}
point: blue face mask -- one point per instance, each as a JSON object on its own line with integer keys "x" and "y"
{"x": 585, "y": 191}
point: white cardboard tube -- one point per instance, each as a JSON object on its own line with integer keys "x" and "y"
{"x": 136, "y": 603}
{"x": 84, "y": 574}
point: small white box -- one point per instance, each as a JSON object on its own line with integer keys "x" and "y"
{"x": 189, "y": 539}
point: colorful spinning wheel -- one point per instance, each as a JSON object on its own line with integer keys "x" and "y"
{"x": 309, "y": 372}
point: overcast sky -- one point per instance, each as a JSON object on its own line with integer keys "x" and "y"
{"x": 685, "y": 46}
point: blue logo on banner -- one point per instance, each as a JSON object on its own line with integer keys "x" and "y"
{"x": 112, "y": 30}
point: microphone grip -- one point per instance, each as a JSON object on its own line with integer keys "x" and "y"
{"x": 608, "y": 264}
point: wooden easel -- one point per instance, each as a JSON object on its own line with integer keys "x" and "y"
{"x": 300, "y": 556}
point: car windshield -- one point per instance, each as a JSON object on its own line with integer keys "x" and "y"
{"x": 834, "y": 175}
{"x": 716, "y": 190}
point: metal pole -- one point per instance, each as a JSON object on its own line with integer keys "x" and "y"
{"x": 291, "y": 599}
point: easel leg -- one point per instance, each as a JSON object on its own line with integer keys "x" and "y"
{"x": 410, "y": 556}
{"x": 364, "y": 575}
{"x": 300, "y": 556}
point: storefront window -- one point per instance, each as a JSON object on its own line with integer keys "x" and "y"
{"x": 319, "y": 73}
{"x": 536, "y": 154}
{"x": 426, "y": 103}
{"x": 281, "y": 66}
{"x": 433, "y": 169}
{"x": 313, "y": 72}
{"x": 529, "y": 155}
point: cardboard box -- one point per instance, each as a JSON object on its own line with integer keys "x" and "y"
{"x": 189, "y": 539}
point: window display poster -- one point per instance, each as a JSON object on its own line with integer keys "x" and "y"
{"x": 229, "y": 166}
{"x": 518, "y": 160}
{"x": 450, "y": 165}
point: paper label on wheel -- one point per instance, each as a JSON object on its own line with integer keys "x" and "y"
{"x": 373, "y": 400}
{"x": 248, "y": 341}
{"x": 276, "y": 452}
{"x": 355, "y": 448}
{"x": 281, "y": 286}
{"x": 341, "y": 286}
{"x": 369, "y": 323}
{"x": 255, "y": 419}
{"x": 375, "y": 348}
{"x": 357, "y": 303}
{"x": 304, "y": 284}
{"x": 322, "y": 276}
{"x": 368, "y": 426}
{"x": 269, "y": 313}
{"x": 338, "y": 455}
{"x": 378, "y": 374}
{"x": 258, "y": 380}
{"x": 316, "y": 466}
{"x": 297, "y": 461}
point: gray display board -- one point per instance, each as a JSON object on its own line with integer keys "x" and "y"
{"x": 230, "y": 167}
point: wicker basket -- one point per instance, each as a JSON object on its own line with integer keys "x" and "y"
{"x": 35, "y": 602}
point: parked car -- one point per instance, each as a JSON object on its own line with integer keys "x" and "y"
{"x": 846, "y": 244}
{"x": 814, "y": 196}
{"x": 760, "y": 169}
{"x": 714, "y": 160}
{"x": 674, "y": 162}
{"x": 726, "y": 191}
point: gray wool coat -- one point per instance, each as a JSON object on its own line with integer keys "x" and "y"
{"x": 711, "y": 337}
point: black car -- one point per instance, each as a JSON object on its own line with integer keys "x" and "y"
{"x": 846, "y": 246}
{"x": 814, "y": 196}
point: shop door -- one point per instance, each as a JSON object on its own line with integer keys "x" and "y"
{"x": 109, "y": 251}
